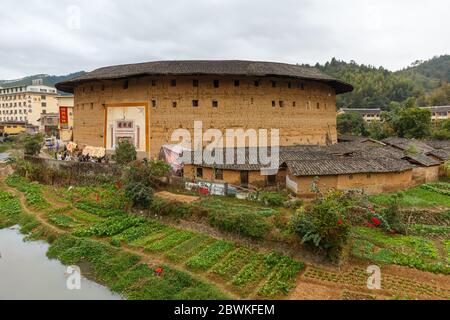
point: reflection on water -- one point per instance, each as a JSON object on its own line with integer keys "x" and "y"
{"x": 26, "y": 273}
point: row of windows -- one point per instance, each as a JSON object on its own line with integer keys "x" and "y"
{"x": 215, "y": 84}
{"x": 20, "y": 97}
{"x": 237, "y": 83}
{"x": 12, "y": 90}
{"x": 440, "y": 114}
{"x": 15, "y": 104}
{"x": 13, "y": 118}
{"x": 218, "y": 175}
{"x": 78, "y": 106}
{"x": 215, "y": 104}
{"x": 20, "y": 111}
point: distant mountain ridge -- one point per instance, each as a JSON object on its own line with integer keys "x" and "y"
{"x": 49, "y": 80}
{"x": 427, "y": 81}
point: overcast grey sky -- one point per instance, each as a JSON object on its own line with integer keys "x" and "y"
{"x": 59, "y": 37}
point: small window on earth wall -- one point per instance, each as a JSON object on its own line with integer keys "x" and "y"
{"x": 219, "y": 174}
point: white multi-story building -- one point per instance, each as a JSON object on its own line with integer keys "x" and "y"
{"x": 439, "y": 113}
{"x": 27, "y": 103}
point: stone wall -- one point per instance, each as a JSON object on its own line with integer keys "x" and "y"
{"x": 74, "y": 173}
{"x": 306, "y": 116}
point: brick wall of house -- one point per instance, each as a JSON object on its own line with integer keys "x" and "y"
{"x": 374, "y": 183}
{"x": 425, "y": 174}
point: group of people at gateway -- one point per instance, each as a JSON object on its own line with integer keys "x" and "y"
{"x": 71, "y": 152}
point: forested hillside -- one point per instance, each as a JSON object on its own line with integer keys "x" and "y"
{"x": 378, "y": 87}
{"x": 48, "y": 79}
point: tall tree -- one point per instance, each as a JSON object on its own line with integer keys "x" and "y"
{"x": 351, "y": 123}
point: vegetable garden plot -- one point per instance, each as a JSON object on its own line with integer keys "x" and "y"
{"x": 154, "y": 236}
{"x": 259, "y": 267}
{"x": 33, "y": 192}
{"x": 173, "y": 285}
{"x": 233, "y": 263}
{"x": 411, "y": 251}
{"x": 110, "y": 227}
{"x": 189, "y": 248}
{"x": 62, "y": 221}
{"x": 123, "y": 273}
{"x": 10, "y": 209}
{"x": 357, "y": 278}
{"x": 84, "y": 217}
{"x": 282, "y": 278}
{"x": 209, "y": 256}
{"x": 141, "y": 231}
{"x": 169, "y": 241}
{"x": 98, "y": 210}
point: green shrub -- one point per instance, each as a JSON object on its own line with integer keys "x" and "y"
{"x": 125, "y": 153}
{"x": 248, "y": 224}
{"x": 273, "y": 199}
{"x": 141, "y": 179}
{"x": 33, "y": 145}
{"x": 324, "y": 225}
{"x": 162, "y": 207}
{"x": 392, "y": 214}
{"x": 140, "y": 194}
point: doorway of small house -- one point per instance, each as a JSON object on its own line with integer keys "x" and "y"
{"x": 244, "y": 179}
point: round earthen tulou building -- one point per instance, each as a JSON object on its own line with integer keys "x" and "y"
{"x": 146, "y": 102}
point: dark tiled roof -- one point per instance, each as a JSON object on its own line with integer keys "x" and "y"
{"x": 364, "y": 156}
{"x": 362, "y": 111}
{"x": 438, "y": 108}
{"x": 404, "y": 144}
{"x": 346, "y": 166}
{"x": 206, "y": 67}
{"x": 422, "y": 160}
{"x": 439, "y": 144}
{"x": 441, "y": 154}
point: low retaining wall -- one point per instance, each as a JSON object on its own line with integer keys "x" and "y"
{"x": 82, "y": 173}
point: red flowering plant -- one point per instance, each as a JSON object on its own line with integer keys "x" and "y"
{"x": 375, "y": 220}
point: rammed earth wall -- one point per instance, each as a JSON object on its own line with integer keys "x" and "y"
{"x": 304, "y": 116}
